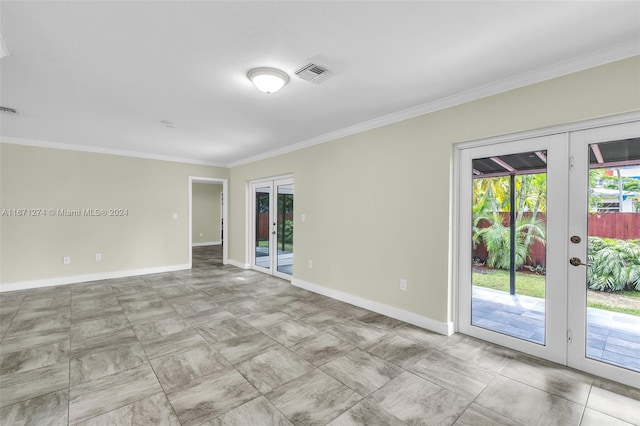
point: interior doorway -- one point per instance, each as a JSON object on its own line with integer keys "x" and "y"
{"x": 218, "y": 230}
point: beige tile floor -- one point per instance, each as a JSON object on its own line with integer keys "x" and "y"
{"x": 217, "y": 345}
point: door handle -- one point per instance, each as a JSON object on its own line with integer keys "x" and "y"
{"x": 575, "y": 261}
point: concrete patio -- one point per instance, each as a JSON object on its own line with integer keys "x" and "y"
{"x": 285, "y": 260}
{"x": 611, "y": 337}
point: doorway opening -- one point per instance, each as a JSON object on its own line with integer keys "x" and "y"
{"x": 208, "y": 220}
{"x": 548, "y": 246}
{"x": 272, "y": 207}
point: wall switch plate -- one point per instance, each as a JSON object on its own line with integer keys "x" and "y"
{"x": 175, "y": 216}
{"x": 98, "y": 257}
{"x": 303, "y": 217}
{"x": 403, "y": 284}
{"x": 310, "y": 264}
{"x": 66, "y": 260}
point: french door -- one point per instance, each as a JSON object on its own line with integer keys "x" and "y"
{"x": 512, "y": 272}
{"x": 604, "y": 251}
{"x": 533, "y": 246}
{"x": 272, "y": 226}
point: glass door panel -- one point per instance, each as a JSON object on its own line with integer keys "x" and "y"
{"x": 613, "y": 275}
{"x": 604, "y": 276}
{"x": 262, "y": 227}
{"x": 284, "y": 228}
{"x": 272, "y": 227}
{"x": 512, "y": 221}
{"x": 613, "y": 254}
{"x": 509, "y": 244}
{"x": 575, "y": 299}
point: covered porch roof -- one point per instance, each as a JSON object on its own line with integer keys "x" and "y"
{"x": 619, "y": 153}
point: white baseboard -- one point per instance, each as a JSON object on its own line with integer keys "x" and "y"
{"x": 25, "y": 285}
{"x": 238, "y": 264}
{"x": 208, "y": 243}
{"x": 390, "y": 311}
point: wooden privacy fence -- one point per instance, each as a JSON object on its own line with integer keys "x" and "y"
{"x": 262, "y": 233}
{"x": 621, "y": 226}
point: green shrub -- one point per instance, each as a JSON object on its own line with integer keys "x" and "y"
{"x": 497, "y": 239}
{"x": 288, "y": 231}
{"x": 615, "y": 264}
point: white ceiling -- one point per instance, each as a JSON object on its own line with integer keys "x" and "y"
{"x": 102, "y": 75}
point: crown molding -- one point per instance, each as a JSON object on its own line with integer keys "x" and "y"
{"x": 618, "y": 52}
{"x": 109, "y": 151}
{"x": 605, "y": 56}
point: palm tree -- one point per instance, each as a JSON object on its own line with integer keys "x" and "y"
{"x": 615, "y": 264}
{"x": 536, "y": 196}
{"x": 496, "y": 238}
{"x": 490, "y": 194}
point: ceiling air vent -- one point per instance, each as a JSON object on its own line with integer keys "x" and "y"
{"x": 314, "y": 73}
{"x": 8, "y": 110}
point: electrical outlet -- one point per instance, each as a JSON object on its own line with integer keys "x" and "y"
{"x": 310, "y": 264}
{"x": 175, "y": 216}
{"x": 66, "y": 260}
{"x": 201, "y": 234}
{"x": 98, "y": 257}
{"x": 403, "y": 284}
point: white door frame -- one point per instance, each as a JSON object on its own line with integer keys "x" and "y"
{"x": 276, "y": 183}
{"x": 578, "y": 206}
{"x": 222, "y": 203}
{"x": 225, "y": 211}
{"x": 271, "y": 182}
{"x": 252, "y": 225}
{"x": 457, "y": 219}
{"x": 554, "y": 348}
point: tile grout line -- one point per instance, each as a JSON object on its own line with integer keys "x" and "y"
{"x": 14, "y": 316}
{"x": 487, "y": 408}
{"x": 210, "y": 345}
{"x": 259, "y": 331}
{"x": 403, "y": 366}
{"x": 147, "y": 359}
{"x": 584, "y": 409}
{"x": 146, "y": 355}
{"x": 166, "y": 395}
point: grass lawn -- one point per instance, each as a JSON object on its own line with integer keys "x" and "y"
{"x": 287, "y": 246}
{"x": 627, "y": 302}
{"x": 497, "y": 279}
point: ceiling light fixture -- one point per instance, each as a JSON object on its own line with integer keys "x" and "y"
{"x": 268, "y": 80}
